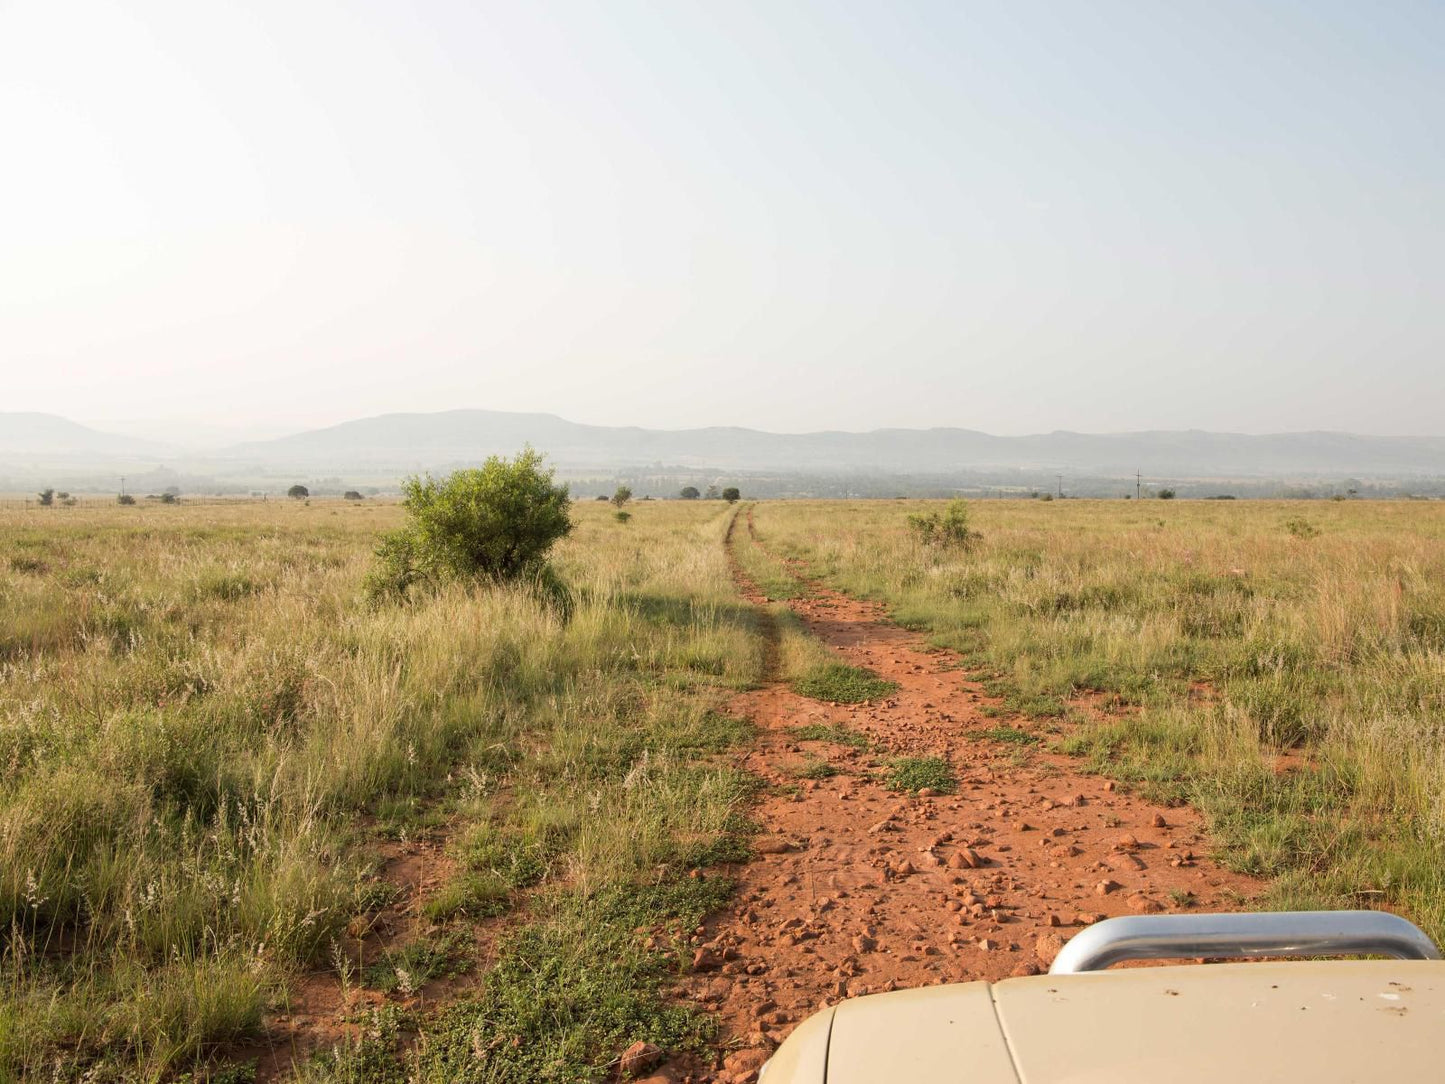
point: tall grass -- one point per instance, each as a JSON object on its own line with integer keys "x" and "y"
{"x": 1222, "y": 636}
{"x": 199, "y": 710}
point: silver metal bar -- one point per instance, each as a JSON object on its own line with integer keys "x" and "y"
{"x": 1266, "y": 933}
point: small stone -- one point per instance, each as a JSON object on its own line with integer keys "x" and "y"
{"x": 881, "y": 826}
{"x": 1143, "y": 905}
{"x": 1024, "y": 970}
{"x": 744, "y": 1064}
{"x": 987, "y": 945}
{"x": 1124, "y": 861}
{"x": 1103, "y": 888}
{"x": 1159, "y": 821}
{"x": 927, "y": 792}
{"x": 864, "y": 944}
{"x": 704, "y": 960}
{"x": 1086, "y": 918}
{"x": 772, "y": 845}
{"x": 1109, "y": 784}
{"x": 1047, "y": 947}
{"x": 1054, "y": 920}
{"x": 1126, "y": 842}
{"x": 639, "y": 1057}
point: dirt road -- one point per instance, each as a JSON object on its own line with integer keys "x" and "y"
{"x": 857, "y": 889}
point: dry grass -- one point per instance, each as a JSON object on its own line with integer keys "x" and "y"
{"x": 199, "y": 711}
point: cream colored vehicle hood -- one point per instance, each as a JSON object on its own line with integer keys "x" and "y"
{"x": 1321, "y": 1022}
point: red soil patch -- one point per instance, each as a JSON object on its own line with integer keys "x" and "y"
{"x": 858, "y": 889}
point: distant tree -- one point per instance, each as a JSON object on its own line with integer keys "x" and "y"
{"x": 731, "y": 494}
{"x": 353, "y": 495}
{"x": 603, "y": 497}
{"x": 298, "y": 492}
{"x": 1166, "y": 494}
{"x": 169, "y": 498}
{"x": 174, "y": 491}
{"x": 125, "y": 498}
{"x": 495, "y": 523}
{"x": 689, "y": 493}
{"x": 621, "y": 497}
{"x": 47, "y": 497}
{"x": 712, "y": 493}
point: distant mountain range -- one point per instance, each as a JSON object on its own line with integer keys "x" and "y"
{"x": 408, "y": 442}
{"x": 458, "y": 436}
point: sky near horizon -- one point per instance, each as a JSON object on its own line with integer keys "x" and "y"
{"x": 788, "y": 215}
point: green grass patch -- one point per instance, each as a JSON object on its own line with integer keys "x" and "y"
{"x": 406, "y": 969}
{"x": 843, "y": 684}
{"x": 814, "y": 768}
{"x": 571, "y": 992}
{"x": 831, "y": 732}
{"x": 912, "y": 774}
{"x": 1008, "y": 734}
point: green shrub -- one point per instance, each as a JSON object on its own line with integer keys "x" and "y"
{"x": 949, "y": 530}
{"x": 493, "y": 523}
{"x": 125, "y": 498}
{"x": 621, "y": 497}
{"x": 298, "y": 492}
{"x": 732, "y": 495}
{"x": 689, "y": 493}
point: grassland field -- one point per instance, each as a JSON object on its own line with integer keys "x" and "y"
{"x": 206, "y": 728}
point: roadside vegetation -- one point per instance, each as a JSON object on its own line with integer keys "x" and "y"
{"x": 207, "y": 725}
{"x": 1284, "y": 673}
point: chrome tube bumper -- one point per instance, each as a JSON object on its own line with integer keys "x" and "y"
{"x": 1269, "y": 933}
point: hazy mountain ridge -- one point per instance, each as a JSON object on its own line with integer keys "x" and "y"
{"x": 407, "y": 442}
{"x": 459, "y": 435}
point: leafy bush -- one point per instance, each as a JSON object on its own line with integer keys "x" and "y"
{"x": 1166, "y": 494}
{"x": 689, "y": 493}
{"x": 1301, "y": 527}
{"x": 493, "y": 523}
{"x": 949, "y": 530}
{"x": 352, "y": 495}
{"x": 47, "y": 497}
{"x": 125, "y": 498}
{"x": 298, "y": 492}
{"x": 169, "y": 498}
{"x": 622, "y": 496}
{"x": 621, "y": 517}
{"x": 731, "y": 495}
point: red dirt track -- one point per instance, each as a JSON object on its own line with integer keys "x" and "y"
{"x": 857, "y": 889}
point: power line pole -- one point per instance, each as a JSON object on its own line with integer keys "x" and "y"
{"x": 1060, "y": 477}
{"x": 1138, "y": 485}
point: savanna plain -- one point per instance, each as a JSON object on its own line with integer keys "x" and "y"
{"x": 255, "y": 823}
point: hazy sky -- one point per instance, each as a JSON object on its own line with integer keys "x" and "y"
{"x": 1010, "y": 216}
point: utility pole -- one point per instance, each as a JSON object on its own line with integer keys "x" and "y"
{"x": 1138, "y": 485}
{"x": 122, "y": 485}
{"x": 1060, "y": 477}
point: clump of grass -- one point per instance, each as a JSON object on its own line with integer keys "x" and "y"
{"x": 835, "y": 733}
{"x": 843, "y": 684}
{"x": 814, "y": 768}
{"x": 1007, "y": 734}
{"x": 912, "y": 774}
{"x": 408, "y": 968}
